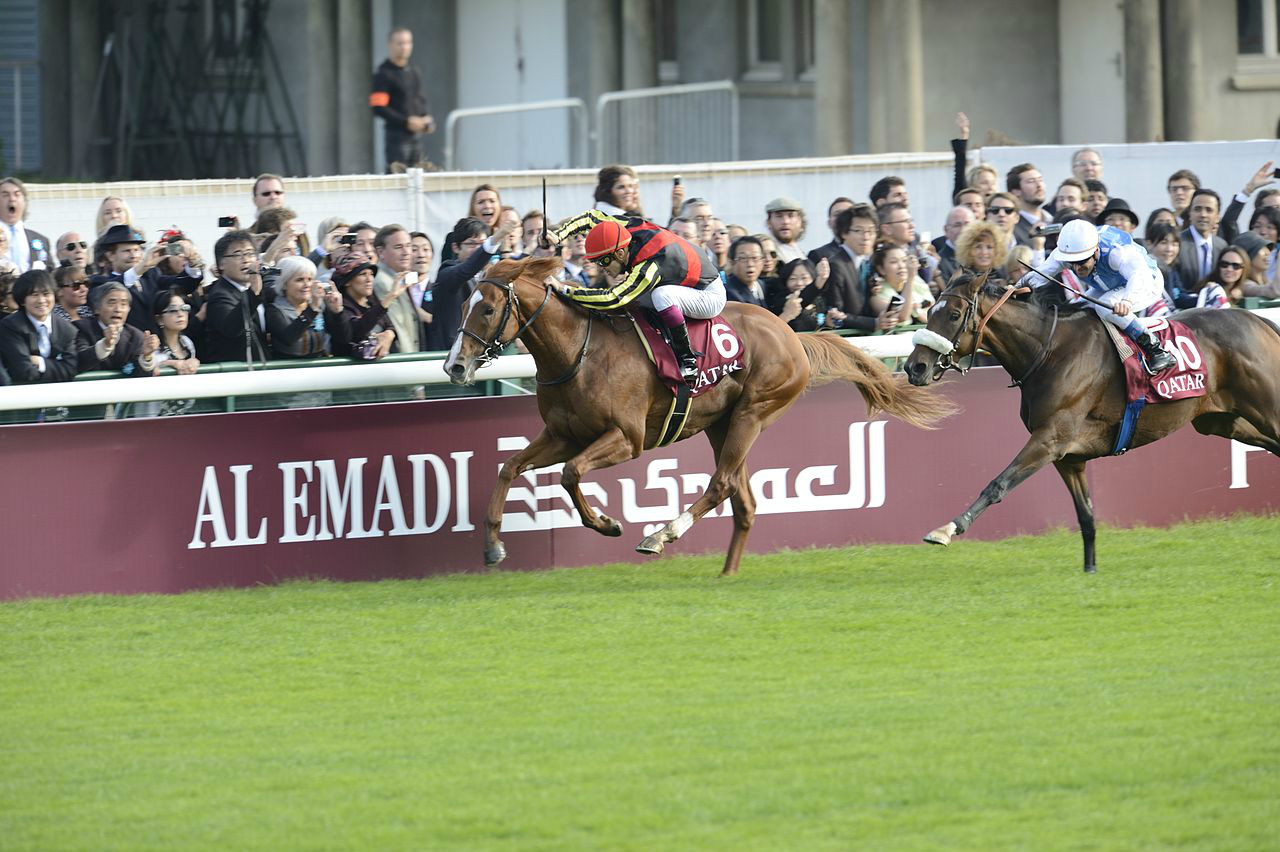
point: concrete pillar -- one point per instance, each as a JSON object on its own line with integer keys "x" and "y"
{"x": 318, "y": 119}
{"x": 833, "y": 89}
{"x": 84, "y": 55}
{"x": 639, "y": 44}
{"x": 355, "y": 74}
{"x": 55, "y": 89}
{"x": 1143, "y": 100}
{"x": 1183, "y": 71}
{"x": 901, "y": 62}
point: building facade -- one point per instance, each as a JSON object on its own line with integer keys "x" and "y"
{"x": 216, "y": 89}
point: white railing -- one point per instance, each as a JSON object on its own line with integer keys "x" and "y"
{"x": 345, "y": 377}
{"x": 694, "y": 122}
{"x": 577, "y": 109}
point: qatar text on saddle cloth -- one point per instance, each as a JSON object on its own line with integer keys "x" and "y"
{"x": 714, "y": 338}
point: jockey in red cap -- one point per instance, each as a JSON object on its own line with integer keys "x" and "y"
{"x": 650, "y": 266}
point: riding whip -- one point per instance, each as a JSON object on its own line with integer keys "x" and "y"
{"x": 1072, "y": 290}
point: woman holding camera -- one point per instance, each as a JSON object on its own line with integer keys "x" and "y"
{"x": 305, "y": 319}
{"x": 800, "y": 296}
{"x": 898, "y": 296}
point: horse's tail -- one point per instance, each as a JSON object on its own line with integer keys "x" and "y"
{"x": 832, "y": 358}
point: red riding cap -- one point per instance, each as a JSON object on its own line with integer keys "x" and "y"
{"x": 606, "y": 238}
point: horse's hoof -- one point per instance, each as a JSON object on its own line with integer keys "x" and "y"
{"x": 610, "y": 527}
{"x": 494, "y": 555}
{"x": 942, "y": 535}
{"x": 651, "y": 546}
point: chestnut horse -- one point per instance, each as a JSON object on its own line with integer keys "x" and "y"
{"x": 602, "y": 402}
{"x": 1073, "y": 386}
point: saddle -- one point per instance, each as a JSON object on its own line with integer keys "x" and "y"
{"x": 1141, "y": 388}
{"x": 720, "y": 354}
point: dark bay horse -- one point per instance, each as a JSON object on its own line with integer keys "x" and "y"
{"x": 1073, "y": 387}
{"x": 602, "y": 403}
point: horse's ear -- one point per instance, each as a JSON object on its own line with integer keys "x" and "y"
{"x": 978, "y": 282}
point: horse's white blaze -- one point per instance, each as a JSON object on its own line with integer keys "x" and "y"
{"x": 456, "y": 349}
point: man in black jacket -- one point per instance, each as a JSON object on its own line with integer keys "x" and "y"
{"x": 234, "y": 325}
{"x": 473, "y": 249}
{"x": 746, "y": 260}
{"x": 35, "y": 344}
{"x": 398, "y": 99}
{"x": 107, "y": 342}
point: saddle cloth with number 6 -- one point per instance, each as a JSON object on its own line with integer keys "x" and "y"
{"x": 1184, "y": 380}
{"x": 714, "y": 338}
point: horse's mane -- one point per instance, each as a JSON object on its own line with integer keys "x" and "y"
{"x": 1045, "y": 298}
{"x": 536, "y": 268}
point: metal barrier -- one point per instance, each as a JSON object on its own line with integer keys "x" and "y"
{"x": 696, "y": 122}
{"x": 577, "y": 141}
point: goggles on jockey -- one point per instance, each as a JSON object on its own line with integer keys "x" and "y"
{"x": 606, "y": 238}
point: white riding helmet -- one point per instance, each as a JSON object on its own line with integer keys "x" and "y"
{"x": 1077, "y": 241}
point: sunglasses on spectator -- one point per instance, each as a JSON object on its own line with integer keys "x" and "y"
{"x": 177, "y": 309}
{"x": 996, "y": 211}
{"x": 1227, "y": 264}
{"x": 272, "y": 192}
{"x": 74, "y": 246}
{"x": 74, "y": 285}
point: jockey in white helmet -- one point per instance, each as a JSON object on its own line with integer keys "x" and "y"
{"x": 1118, "y": 273}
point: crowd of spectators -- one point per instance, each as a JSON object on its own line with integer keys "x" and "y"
{"x": 274, "y": 291}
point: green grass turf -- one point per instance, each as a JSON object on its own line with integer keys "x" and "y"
{"x": 989, "y": 696}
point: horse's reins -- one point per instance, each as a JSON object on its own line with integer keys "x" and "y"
{"x": 493, "y": 348}
{"x": 945, "y": 359}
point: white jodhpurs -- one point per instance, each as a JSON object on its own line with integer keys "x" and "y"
{"x": 1139, "y": 299}
{"x": 696, "y": 304}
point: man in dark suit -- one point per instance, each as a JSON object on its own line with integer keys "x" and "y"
{"x": 234, "y": 326}
{"x": 107, "y": 342}
{"x": 35, "y": 344}
{"x": 851, "y": 266}
{"x": 473, "y": 248}
{"x": 746, "y": 262}
{"x": 1201, "y": 245}
{"x": 826, "y": 250}
{"x": 1026, "y": 184}
{"x": 945, "y": 245}
{"x": 28, "y": 249}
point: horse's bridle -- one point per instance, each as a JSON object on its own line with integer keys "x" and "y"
{"x": 970, "y": 323}
{"x": 493, "y": 348}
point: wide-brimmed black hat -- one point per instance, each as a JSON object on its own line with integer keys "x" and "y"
{"x": 119, "y": 234}
{"x": 1116, "y": 205}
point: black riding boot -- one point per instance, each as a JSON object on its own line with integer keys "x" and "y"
{"x": 684, "y": 353}
{"x": 1158, "y": 360}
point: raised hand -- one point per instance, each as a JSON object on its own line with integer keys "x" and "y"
{"x": 1263, "y": 177}
{"x": 150, "y": 343}
{"x": 962, "y": 124}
